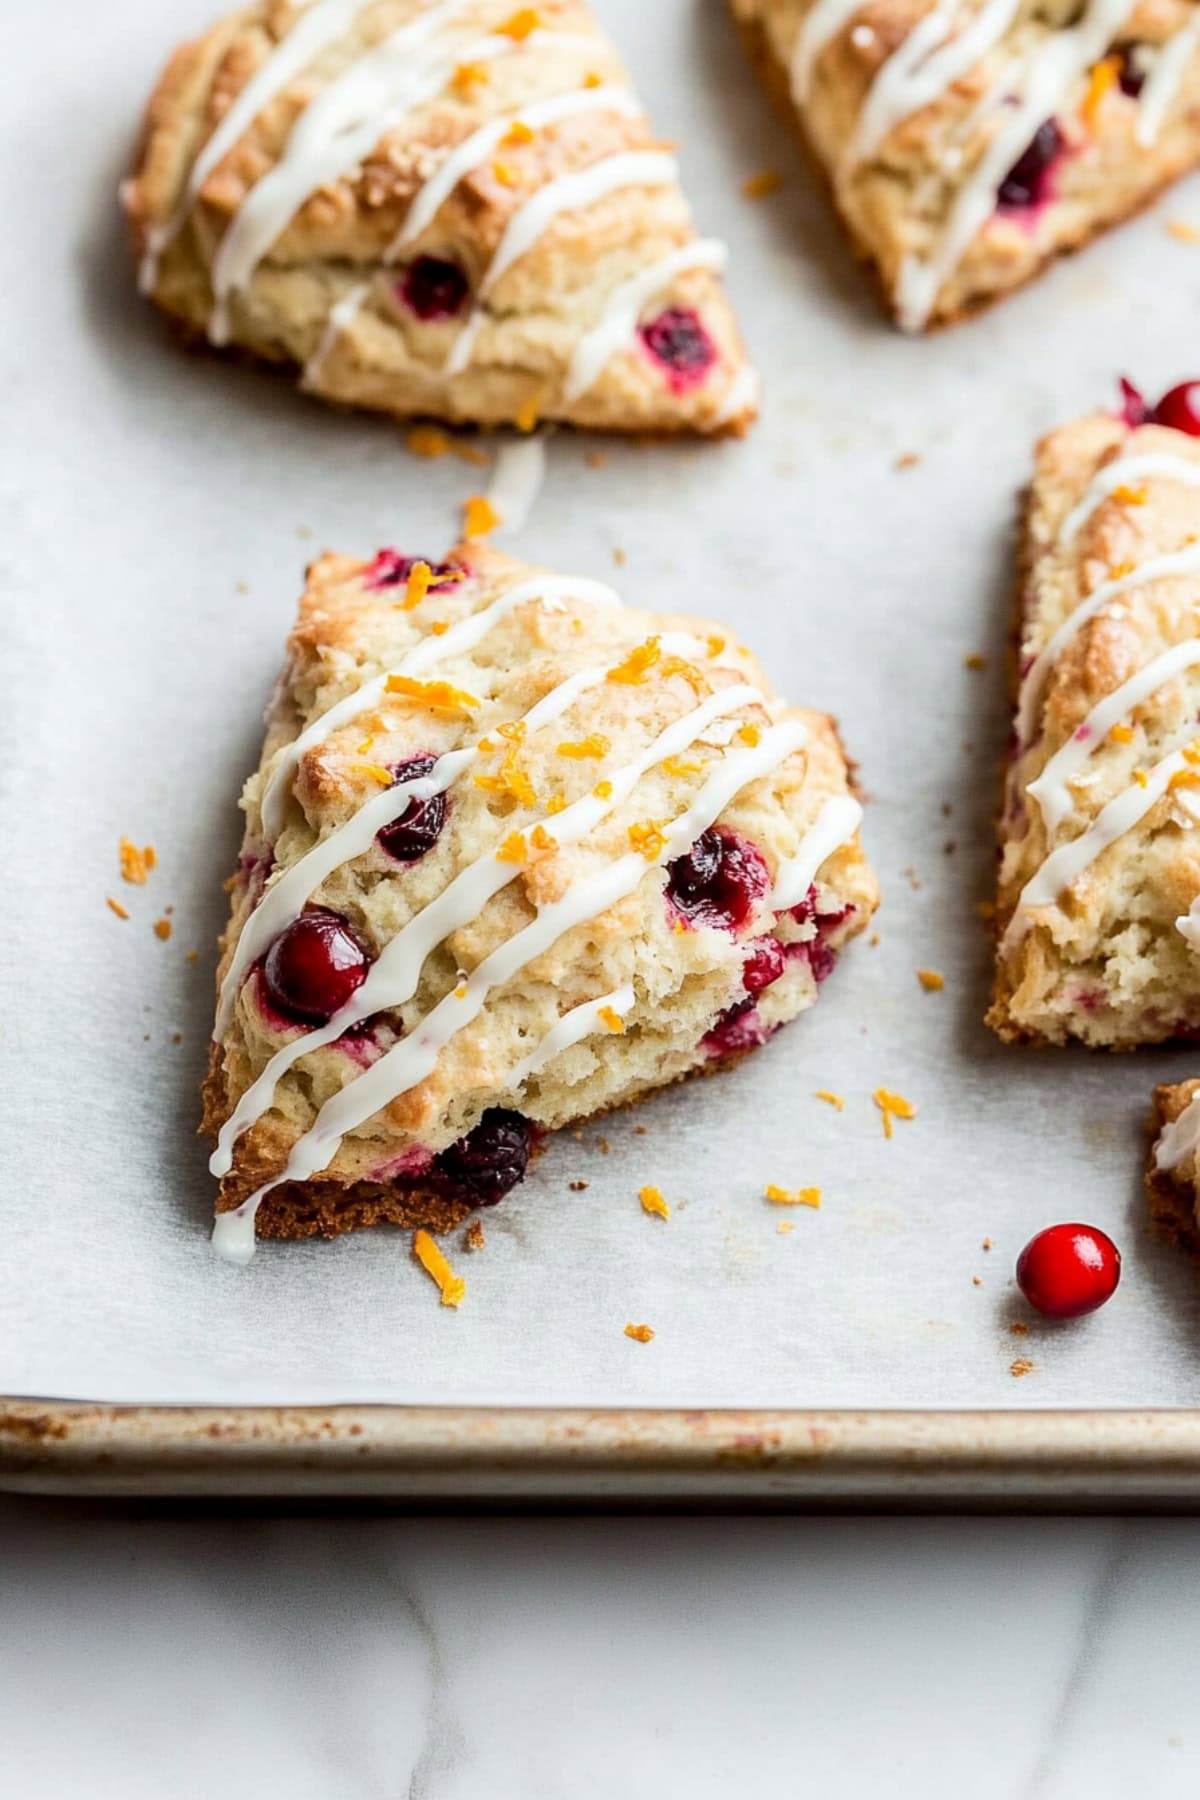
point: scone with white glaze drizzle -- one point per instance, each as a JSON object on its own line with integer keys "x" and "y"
{"x": 1099, "y": 891}
{"x": 1173, "y": 1168}
{"x": 515, "y": 854}
{"x": 448, "y": 208}
{"x": 967, "y": 142}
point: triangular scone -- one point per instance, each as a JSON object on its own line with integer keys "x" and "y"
{"x": 967, "y": 142}
{"x": 449, "y": 208}
{"x": 515, "y": 854}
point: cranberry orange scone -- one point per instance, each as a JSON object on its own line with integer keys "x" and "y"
{"x": 442, "y": 207}
{"x": 514, "y": 855}
{"x": 1173, "y": 1170}
{"x": 1100, "y": 834}
{"x": 966, "y": 142}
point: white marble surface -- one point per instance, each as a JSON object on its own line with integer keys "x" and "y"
{"x": 588, "y": 1659}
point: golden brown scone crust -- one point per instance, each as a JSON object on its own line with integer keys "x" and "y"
{"x": 1106, "y": 962}
{"x": 1173, "y": 1194}
{"x": 896, "y": 200}
{"x": 350, "y": 631}
{"x": 342, "y": 247}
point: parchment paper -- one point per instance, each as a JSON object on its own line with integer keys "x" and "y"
{"x": 157, "y": 512}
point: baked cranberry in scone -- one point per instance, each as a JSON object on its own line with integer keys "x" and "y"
{"x": 507, "y": 874}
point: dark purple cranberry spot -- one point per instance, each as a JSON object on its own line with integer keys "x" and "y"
{"x": 314, "y": 966}
{"x": 1027, "y": 182}
{"x": 1180, "y": 408}
{"x": 391, "y": 569}
{"x": 737, "y": 1028}
{"x": 820, "y": 958}
{"x": 433, "y": 288}
{"x": 1130, "y": 78}
{"x": 718, "y": 881}
{"x": 678, "y": 340}
{"x": 764, "y": 965}
{"x": 1133, "y": 409}
{"x": 419, "y": 826}
{"x": 491, "y": 1159}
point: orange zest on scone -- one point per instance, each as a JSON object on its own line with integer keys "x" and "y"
{"x": 421, "y": 980}
{"x": 965, "y": 145}
{"x": 1098, "y": 906}
{"x": 436, "y": 208}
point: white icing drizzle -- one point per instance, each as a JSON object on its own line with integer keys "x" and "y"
{"x": 312, "y": 32}
{"x": 835, "y": 825}
{"x": 517, "y": 477}
{"x": 1038, "y": 87}
{"x": 581, "y": 1022}
{"x": 1188, "y": 925}
{"x": 622, "y": 309}
{"x": 1181, "y": 1138}
{"x": 1155, "y": 568}
{"x": 553, "y": 591}
{"x": 337, "y": 129}
{"x": 475, "y": 149}
{"x": 1164, "y": 81}
{"x": 1126, "y": 471}
{"x": 743, "y": 392}
{"x": 1051, "y": 790}
{"x": 928, "y": 62}
{"x": 340, "y": 316}
{"x": 394, "y": 976}
{"x": 414, "y": 1057}
{"x": 569, "y": 193}
{"x": 1065, "y": 865}
{"x": 820, "y": 25}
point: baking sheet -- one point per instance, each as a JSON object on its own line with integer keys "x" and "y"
{"x": 157, "y": 511}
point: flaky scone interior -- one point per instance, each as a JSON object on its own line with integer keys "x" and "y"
{"x": 1098, "y": 907}
{"x": 450, "y": 208}
{"x": 966, "y": 142}
{"x": 515, "y": 854}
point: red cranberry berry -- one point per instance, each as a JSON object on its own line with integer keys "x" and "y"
{"x": 491, "y": 1159}
{"x": 1180, "y": 408}
{"x": 764, "y": 965}
{"x": 718, "y": 881}
{"x": 678, "y": 340}
{"x": 419, "y": 826}
{"x": 1027, "y": 182}
{"x": 1068, "y": 1270}
{"x": 391, "y": 569}
{"x": 434, "y": 289}
{"x": 737, "y": 1028}
{"x": 314, "y": 966}
{"x": 1133, "y": 410}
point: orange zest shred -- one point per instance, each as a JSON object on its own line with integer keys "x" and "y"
{"x": 512, "y": 731}
{"x": 641, "y": 1334}
{"x": 784, "y": 1226}
{"x": 748, "y": 734}
{"x": 136, "y": 864}
{"x": 452, "y": 1287}
{"x": 162, "y": 929}
{"x": 608, "y": 1015}
{"x": 366, "y": 744}
{"x": 653, "y": 1202}
{"x": 1130, "y": 496}
{"x": 427, "y": 440}
{"x": 931, "y": 981}
{"x": 526, "y": 416}
{"x": 757, "y": 187}
{"x": 831, "y": 1099}
{"x": 509, "y": 781}
{"x": 679, "y": 765}
{"x": 115, "y": 906}
{"x": 518, "y": 133}
{"x": 678, "y": 665}
{"x": 779, "y": 1196}
{"x": 376, "y": 771}
{"x": 603, "y": 790}
{"x": 593, "y": 80}
{"x": 1185, "y": 778}
{"x": 638, "y": 664}
{"x": 468, "y": 75}
{"x": 479, "y": 516}
{"x": 420, "y": 579}
{"x": 1104, "y": 76}
{"x": 1191, "y": 752}
{"x": 513, "y": 849}
{"x": 437, "y": 696}
{"x": 1121, "y": 734}
{"x": 1141, "y": 777}
{"x": 556, "y": 803}
{"x": 648, "y": 839}
{"x": 1119, "y": 570}
{"x": 440, "y": 627}
{"x": 715, "y": 645}
{"x": 521, "y": 24}
{"x": 460, "y": 992}
{"x": 594, "y": 745}
{"x": 540, "y": 839}
{"x": 504, "y": 172}
{"x": 892, "y": 1106}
